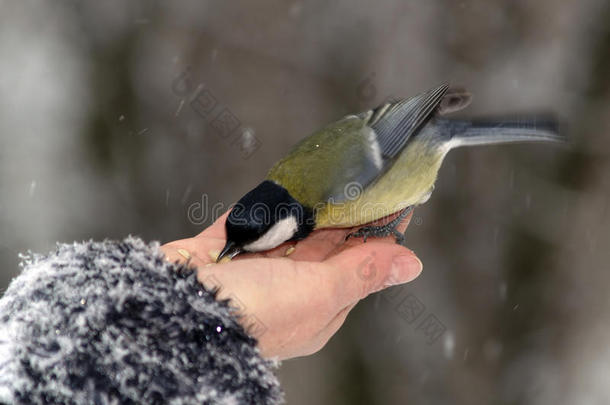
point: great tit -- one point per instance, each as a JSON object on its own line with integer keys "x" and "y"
{"x": 365, "y": 167}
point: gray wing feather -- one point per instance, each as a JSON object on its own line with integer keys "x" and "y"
{"x": 394, "y": 123}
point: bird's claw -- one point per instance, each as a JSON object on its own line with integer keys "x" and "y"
{"x": 383, "y": 230}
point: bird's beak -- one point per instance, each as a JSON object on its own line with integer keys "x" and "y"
{"x": 229, "y": 250}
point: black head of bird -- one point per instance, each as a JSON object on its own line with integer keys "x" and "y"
{"x": 264, "y": 218}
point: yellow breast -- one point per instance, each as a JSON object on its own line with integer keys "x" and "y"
{"x": 406, "y": 183}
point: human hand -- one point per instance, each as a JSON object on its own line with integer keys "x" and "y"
{"x": 298, "y": 302}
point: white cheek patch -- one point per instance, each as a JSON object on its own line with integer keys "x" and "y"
{"x": 275, "y": 236}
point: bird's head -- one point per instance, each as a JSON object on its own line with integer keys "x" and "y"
{"x": 264, "y": 218}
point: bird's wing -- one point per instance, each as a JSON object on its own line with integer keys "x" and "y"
{"x": 394, "y": 123}
{"x": 390, "y": 125}
{"x": 339, "y": 161}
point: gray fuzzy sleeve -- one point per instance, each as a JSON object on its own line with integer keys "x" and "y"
{"x": 113, "y": 323}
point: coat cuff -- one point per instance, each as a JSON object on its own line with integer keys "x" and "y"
{"x": 107, "y": 322}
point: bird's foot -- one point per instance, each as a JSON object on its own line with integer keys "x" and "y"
{"x": 383, "y": 230}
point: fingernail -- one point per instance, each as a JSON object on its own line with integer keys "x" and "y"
{"x": 404, "y": 268}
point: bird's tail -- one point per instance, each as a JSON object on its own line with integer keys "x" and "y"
{"x": 484, "y": 132}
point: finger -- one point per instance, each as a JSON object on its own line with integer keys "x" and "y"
{"x": 300, "y": 287}
{"x": 279, "y": 292}
{"x": 321, "y": 243}
{"x": 315, "y": 247}
{"x": 202, "y": 247}
{"x": 187, "y": 250}
{"x": 370, "y": 267}
{"x": 198, "y": 251}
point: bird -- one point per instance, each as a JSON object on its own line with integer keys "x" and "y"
{"x": 365, "y": 167}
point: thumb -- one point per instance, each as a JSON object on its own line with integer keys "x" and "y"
{"x": 370, "y": 267}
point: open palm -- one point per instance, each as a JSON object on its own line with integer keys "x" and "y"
{"x": 293, "y": 304}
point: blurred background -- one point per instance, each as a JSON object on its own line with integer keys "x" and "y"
{"x": 149, "y": 118}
